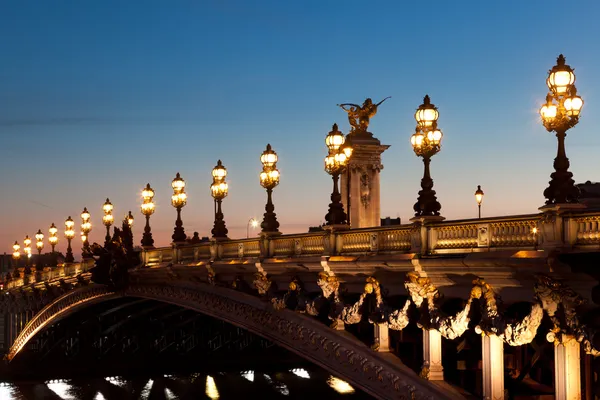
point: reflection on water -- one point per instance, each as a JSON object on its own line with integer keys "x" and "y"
{"x": 294, "y": 383}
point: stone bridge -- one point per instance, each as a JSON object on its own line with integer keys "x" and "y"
{"x": 493, "y": 306}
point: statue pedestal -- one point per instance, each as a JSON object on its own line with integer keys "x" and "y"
{"x": 360, "y": 187}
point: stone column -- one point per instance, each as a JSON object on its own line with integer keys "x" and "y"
{"x": 492, "y": 358}
{"x": 567, "y": 376}
{"x": 432, "y": 355}
{"x": 382, "y": 338}
{"x": 364, "y": 168}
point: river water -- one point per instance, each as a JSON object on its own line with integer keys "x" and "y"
{"x": 298, "y": 383}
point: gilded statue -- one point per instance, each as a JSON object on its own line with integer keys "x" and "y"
{"x": 359, "y": 116}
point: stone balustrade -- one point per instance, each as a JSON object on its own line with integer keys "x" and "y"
{"x": 578, "y": 230}
{"x": 445, "y": 237}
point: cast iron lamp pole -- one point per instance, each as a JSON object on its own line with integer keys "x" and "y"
{"x": 559, "y": 114}
{"x": 27, "y": 251}
{"x": 269, "y": 178}
{"x": 479, "y": 198}
{"x": 69, "y": 235}
{"x": 147, "y": 210}
{"x": 426, "y": 143}
{"x": 219, "y": 189}
{"x": 53, "y": 239}
{"x": 39, "y": 244}
{"x": 129, "y": 219}
{"x": 335, "y": 164}
{"x": 178, "y": 200}
{"x": 107, "y": 220}
{"x": 86, "y": 228}
{"x": 16, "y": 255}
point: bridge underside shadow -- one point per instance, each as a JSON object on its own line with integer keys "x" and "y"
{"x": 190, "y": 322}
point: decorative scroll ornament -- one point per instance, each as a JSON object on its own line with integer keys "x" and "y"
{"x": 524, "y": 332}
{"x": 262, "y": 283}
{"x": 398, "y": 319}
{"x": 330, "y": 286}
{"x": 295, "y": 299}
{"x": 425, "y": 296}
{"x": 491, "y": 321}
{"x": 560, "y": 303}
{"x": 353, "y": 314}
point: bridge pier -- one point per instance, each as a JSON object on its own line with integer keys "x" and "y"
{"x": 432, "y": 355}
{"x": 567, "y": 374}
{"x": 492, "y": 359}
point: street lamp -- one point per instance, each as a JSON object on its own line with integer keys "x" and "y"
{"x": 69, "y": 235}
{"x": 147, "y": 210}
{"x": 335, "y": 163}
{"x": 86, "y": 228}
{"x": 107, "y": 220}
{"x": 252, "y": 222}
{"x": 39, "y": 244}
{"x": 426, "y": 142}
{"x": 479, "y": 198}
{"x": 53, "y": 239}
{"x": 16, "y": 255}
{"x": 27, "y": 251}
{"x": 178, "y": 200}
{"x": 219, "y": 189}
{"x": 269, "y": 178}
{"x": 129, "y": 219}
{"x": 559, "y": 114}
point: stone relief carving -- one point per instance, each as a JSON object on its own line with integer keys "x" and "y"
{"x": 524, "y": 332}
{"x": 560, "y": 303}
{"x": 353, "y": 314}
{"x": 483, "y": 237}
{"x": 365, "y": 189}
{"x": 262, "y": 283}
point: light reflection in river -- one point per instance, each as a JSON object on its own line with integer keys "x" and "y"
{"x": 291, "y": 383}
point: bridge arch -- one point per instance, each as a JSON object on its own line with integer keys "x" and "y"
{"x": 335, "y": 351}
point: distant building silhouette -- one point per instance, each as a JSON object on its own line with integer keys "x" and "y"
{"x": 387, "y": 221}
{"x": 590, "y": 194}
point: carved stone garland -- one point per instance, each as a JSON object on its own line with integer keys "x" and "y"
{"x": 560, "y": 303}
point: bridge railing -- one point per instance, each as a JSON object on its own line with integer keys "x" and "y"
{"x": 530, "y": 231}
{"x": 49, "y": 273}
{"x": 571, "y": 230}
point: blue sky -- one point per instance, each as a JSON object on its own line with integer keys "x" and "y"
{"x": 97, "y": 98}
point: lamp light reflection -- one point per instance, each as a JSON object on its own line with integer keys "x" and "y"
{"x": 211, "y": 388}
{"x": 340, "y": 386}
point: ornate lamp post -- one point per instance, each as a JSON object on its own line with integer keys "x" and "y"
{"x": 178, "y": 200}
{"x": 252, "y": 222}
{"x": 559, "y": 114}
{"x": 479, "y": 198}
{"x": 107, "y": 220}
{"x": 69, "y": 235}
{"x": 219, "y": 189}
{"x": 426, "y": 143}
{"x": 86, "y": 228}
{"x": 16, "y": 255}
{"x": 269, "y": 178}
{"x": 147, "y": 210}
{"x": 53, "y": 239}
{"x": 39, "y": 244}
{"x": 129, "y": 219}
{"x": 335, "y": 163}
{"x": 27, "y": 251}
